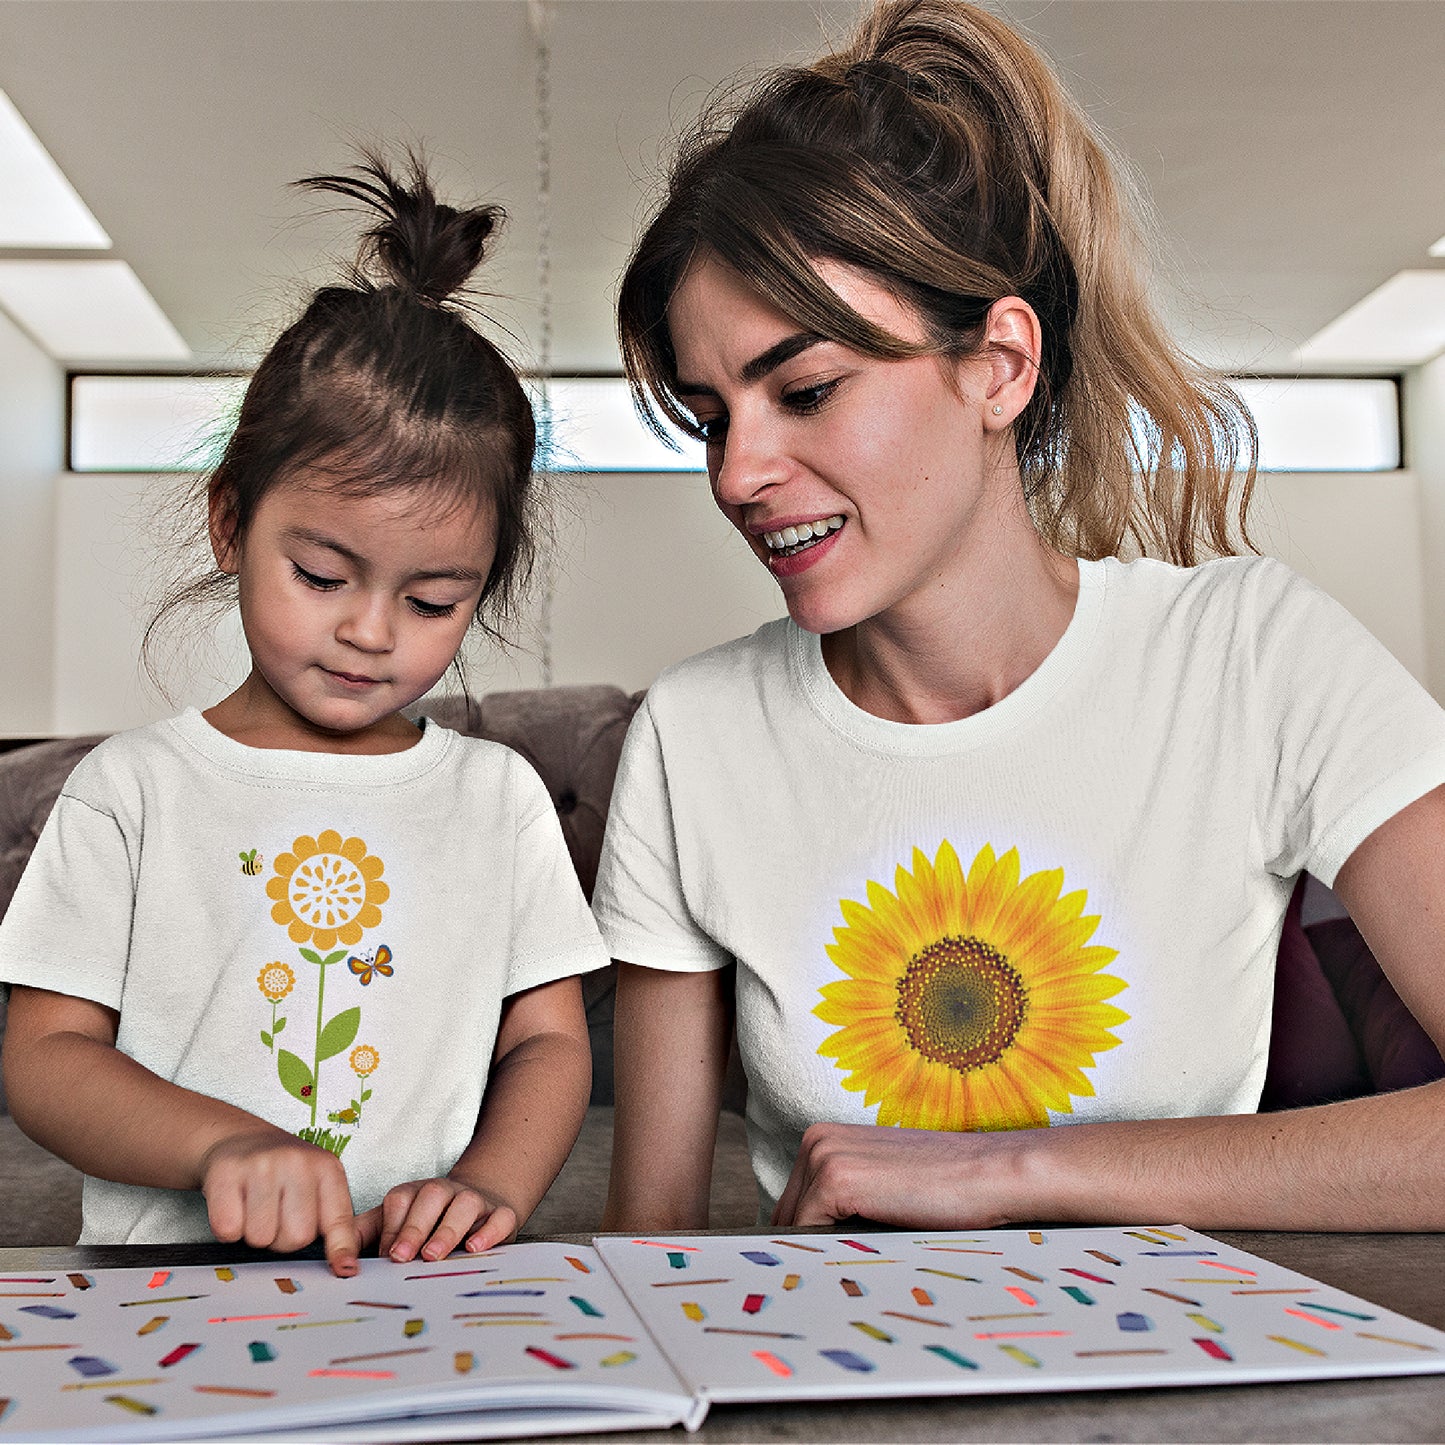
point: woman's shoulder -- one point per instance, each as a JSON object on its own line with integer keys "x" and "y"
{"x": 1248, "y": 591}
{"x": 728, "y": 670}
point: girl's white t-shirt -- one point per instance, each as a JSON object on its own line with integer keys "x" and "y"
{"x": 1064, "y": 907}
{"x": 325, "y": 941}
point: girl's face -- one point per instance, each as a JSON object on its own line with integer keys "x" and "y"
{"x": 353, "y": 607}
{"x": 858, "y": 482}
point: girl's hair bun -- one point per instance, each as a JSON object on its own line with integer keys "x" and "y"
{"x": 419, "y": 244}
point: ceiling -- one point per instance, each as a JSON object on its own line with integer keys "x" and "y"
{"x": 1292, "y": 149}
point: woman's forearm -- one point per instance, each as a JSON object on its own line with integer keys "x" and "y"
{"x": 672, "y": 1031}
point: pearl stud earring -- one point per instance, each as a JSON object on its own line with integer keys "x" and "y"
{"x": 997, "y": 409}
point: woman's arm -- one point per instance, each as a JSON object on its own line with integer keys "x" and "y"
{"x": 74, "y": 1092}
{"x": 673, "y": 1031}
{"x": 532, "y": 1110}
{"x": 1365, "y": 1164}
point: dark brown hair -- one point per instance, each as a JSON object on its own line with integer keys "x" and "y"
{"x": 384, "y": 382}
{"x": 938, "y": 153}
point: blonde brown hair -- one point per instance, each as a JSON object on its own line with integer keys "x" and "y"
{"x": 939, "y": 153}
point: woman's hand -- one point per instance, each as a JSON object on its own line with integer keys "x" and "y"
{"x": 901, "y": 1176}
{"x": 429, "y": 1218}
{"x": 276, "y": 1191}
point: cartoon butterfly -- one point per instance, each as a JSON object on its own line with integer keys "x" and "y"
{"x": 367, "y": 968}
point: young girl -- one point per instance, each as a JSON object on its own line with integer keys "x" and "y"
{"x": 296, "y": 966}
{"x": 998, "y": 829}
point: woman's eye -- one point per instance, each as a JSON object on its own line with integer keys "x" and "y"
{"x": 312, "y": 579}
{"x": 807, "y": 399}
{"x": 711, "y": 428}
{"x": 431, "y": 609}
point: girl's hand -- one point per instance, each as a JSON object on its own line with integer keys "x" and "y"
{"x": 276, "y": 1191}
{"x": 429, "y": 1218}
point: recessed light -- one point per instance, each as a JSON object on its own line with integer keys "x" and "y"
{"x": 1438, "y": 249}
{"x": 1401, "y": 323}
{"x": 41, "y": 207}
{"x": 89, "y": 311}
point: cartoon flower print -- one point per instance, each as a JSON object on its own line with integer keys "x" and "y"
{"x": 363, "y": 1060}
{"x": 326, "y": 889}
{"x": 970, "y": 1002}
{"x": 276, "y": 980}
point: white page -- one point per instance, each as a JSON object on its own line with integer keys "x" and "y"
{"x": 941, "y": 1313}
{"x": 285, "y": 1345}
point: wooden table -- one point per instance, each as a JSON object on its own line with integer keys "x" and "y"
{"x": 1404, "y": 1272}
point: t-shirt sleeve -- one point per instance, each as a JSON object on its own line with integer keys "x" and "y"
{"x": 640, "y": 900}
{"x": 553, "y": 933}
{"x": 1346, "y": 736}
{"x": 68, "y": 926}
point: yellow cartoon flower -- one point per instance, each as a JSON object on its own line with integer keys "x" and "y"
{"x": 970, "y": 1002}
{"x": 276, "y": 981}
{"x": 327, "y": 890}
{"x": 363, "y": 1060}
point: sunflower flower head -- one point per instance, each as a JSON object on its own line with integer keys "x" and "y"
{"x": 327, "y": 890}
{"x": 363, "y": 1060}
{"x": 969, "y": 1001}
{"x": 275, "y": 981}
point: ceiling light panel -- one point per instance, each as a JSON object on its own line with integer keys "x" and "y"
{"x": 1401, "y": 323}
{"x": 40, "y": 207}
{"x": 88, "y": 312}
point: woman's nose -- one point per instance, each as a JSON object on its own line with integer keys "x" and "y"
{"x": 749, "y": 462}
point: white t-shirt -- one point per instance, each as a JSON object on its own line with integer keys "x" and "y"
{"x": 323, "y": 940}
{"x": 1065, "y": 907}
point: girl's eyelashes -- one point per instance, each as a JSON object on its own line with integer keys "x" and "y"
{"x": 431, "y": 609}
{"x": 311, "y": 579}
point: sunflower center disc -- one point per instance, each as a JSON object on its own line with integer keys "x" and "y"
{"x": 961, "y": 1003}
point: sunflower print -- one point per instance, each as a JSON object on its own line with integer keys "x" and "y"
{"x": 327, "y": 890}
{"x": 970, "y": 1002}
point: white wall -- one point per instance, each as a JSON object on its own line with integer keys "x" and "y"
{"x": 32, "y": 431}
{"x": 647, "y": 572}
{"x": 1425, "y": 451}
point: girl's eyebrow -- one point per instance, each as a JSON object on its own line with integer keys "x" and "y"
{"x": 437, "y": 574}
{"x": 760, "y": 365}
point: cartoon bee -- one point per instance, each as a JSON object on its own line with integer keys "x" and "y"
{"x": 367, "y": 968}
{"x": 343, "y": 1116}
{"x": 251, "y": 863}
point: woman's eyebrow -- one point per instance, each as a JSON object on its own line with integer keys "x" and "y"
{"x": 760, "y": 365}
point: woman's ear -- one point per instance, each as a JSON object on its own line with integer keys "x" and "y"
{"x": 225, "y": 546}
{"x": 1013, "y": 343}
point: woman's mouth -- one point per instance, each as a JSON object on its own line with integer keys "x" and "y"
{"x": 789, "y": 541}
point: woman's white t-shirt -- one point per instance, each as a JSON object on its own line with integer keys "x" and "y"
{"x": 1065, "y": 907}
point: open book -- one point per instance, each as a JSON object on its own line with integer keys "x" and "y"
{"x": 548, "y": 1338}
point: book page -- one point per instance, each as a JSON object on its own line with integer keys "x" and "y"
{"x": 918, "y": 1313}
{"x": 176, "y": 1353}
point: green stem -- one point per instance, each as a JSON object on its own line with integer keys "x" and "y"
{"x": 316, "y": 1060}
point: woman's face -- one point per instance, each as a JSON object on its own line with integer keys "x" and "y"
{"x": 858, "y": 482}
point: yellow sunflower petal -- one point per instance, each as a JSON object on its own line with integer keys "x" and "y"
{"x": 304, "y": 847}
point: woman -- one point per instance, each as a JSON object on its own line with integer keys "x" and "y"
{"x": 998, "y": 829}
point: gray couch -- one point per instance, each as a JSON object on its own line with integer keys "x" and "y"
{"x": 572, "y": 736}
{"x": 1339, "y": 1028}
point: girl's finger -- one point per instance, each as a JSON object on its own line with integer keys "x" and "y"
{"x": 337, "y": 1224}
{"x": 261, "y": 1204}
{"x": 466, "y": 1208}
{"x": 394, "y": 1209}
{"x": 498, "y": 1227}
{"x": 427, "y": 1206}
{"x": 368, "y": 1228}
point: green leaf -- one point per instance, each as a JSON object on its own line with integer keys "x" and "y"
{"x": 338, "y": 1033}
{"x": 332, "y": 958}
{"x": 280, "y": 1024}
{"x": 310, "y": 955}
{"x": 365, "y": 1095}
{"x": 356, "y": 1107}
{"x": 266, "y": 1038}
{"x": 294, "y": 1075}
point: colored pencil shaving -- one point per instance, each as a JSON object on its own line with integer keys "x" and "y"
{"x": 330, "y": 1374}
{"x": 233, "y": 1390}
{"x": 33, "y": 1294}
{"x": 136, "y": 1407}
{"x": 1084, "y": 1274}
{"x": 322, "y": 1324}
{"x": 1178, "y": 1299}
{"x": 1215, "y": 1264}
{"x": 792, "y": 1281}
{"x": 919, "y": 1319}
{"x": 1022, "y": 1356}
{"x": 499, "y": 1314}
{"x": 449, "y": 1274}
{"x": 622, "y": 1357}
{"x": 1205, "y": 1323}
{"x": 1036, "y": 1315}
{"x": 773, "y": 1363}
{"x": 852, "y": 1288}
{"x": 962, "y": 1361}
{"x": 858, "y": 1244}
{"x": 413, "y": 1328}
{"x": 1183, "y": 1254}
{"x": 576, "y": 1263}
{"x": 1299, "y": 1345}
{"x": 491, "y": 1286}
{"x": 753, "y": 1303}
{"x": 921, "y": 1296}
{"x": 159, "y": 1278}
{"x": 1021, "y": 1295}
{"x": 493, "y": 1324}
{"x": 1035, "y": 1237}
{"x": 151, "y": 1326}
{"x": 950, "y": 1249}
{"x": 381, "y": 1355}
{"x": 847, "y": 1360}
{"x": 1319, "y": 1320}
{"x": 1110, "y": 1354}
{"x": 177, "y": 1355}
{"x": 28, "y": 1279}
{"x": 226, "y": 1274}
{"x": 80, "y": 1281}
{"x": 463, "y": 1361}
{"x": 756, "y": 1334}
{"x": 7, "y": 1349}
{"x": 872, "y": 1331}
{"x": 5, "y": 1334}
{"x": 625, "y": 1339}
{"x": 949, "y": 1274}
{"x": 658, "y": 1244}
{"x": 1023, "y": 1335}
{"x": 1263, "y": 1291}
{"x": 1024, "y": 1273}
{"x": 261, "y": 1352}
{"x": 1107, "y": 1258}
{"x": 170, "y": 1299}
{"x": 686, "y": 1283}
{"x": 112, "y": 1384}
{"x": 1214, "y": 1349}
{"x": 1390, "y": 1340}
{"x": 793, "y": 1244}
{"x": 857, "y": 1263}
{"x": 1075, "y": 1293}
{"x": 1335, "y": 1310}
{"x": 676, "y": 1259}
{"x": 548, "y": 1358}
{"x": 694, "y": 1311}
{"x": 586, "y": 1306}
{"x": 376, "y": 1304}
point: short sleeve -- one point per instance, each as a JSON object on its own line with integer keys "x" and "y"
{"x": 68, "y": 926}
{"x": 1345, "y": 736}
{"x": 639, "y": 900}
{"x": 553, "y": 932}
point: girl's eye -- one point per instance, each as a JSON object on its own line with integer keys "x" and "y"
{"x": 311, "y": 579}
{"x": 431, "y": 609}
{"x": 808, "y": 399}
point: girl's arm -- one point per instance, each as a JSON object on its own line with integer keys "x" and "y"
{"x": 532, "y": 1110}
{"x": 672, "y": 1034}
{"x": 74, "y": 1092}
{"x": 1365, "y": 1164}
